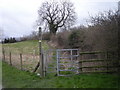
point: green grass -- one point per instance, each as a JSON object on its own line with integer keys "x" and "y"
{"x": 0, "y": 72}
{"x": 26, "y": 47}
{"x": 29, "y": 50}
{"x": 13, "y": 78}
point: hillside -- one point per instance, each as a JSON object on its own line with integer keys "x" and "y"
{"x": 26, "y": 47}
{"x": 29, "y": 51}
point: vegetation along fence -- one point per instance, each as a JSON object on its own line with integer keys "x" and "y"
{"x": 65, "y": 62}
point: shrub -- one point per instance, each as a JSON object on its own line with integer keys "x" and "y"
{"x": 73, "y": 40}
{"x": 46, "y": 36}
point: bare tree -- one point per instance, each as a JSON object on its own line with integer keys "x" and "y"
{"x": 55, "y": 15}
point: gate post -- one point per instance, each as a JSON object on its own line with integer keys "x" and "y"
{"x": 44, "y": 63}
{"x": 80, "y": 62}
{"x": 57, "y": 57}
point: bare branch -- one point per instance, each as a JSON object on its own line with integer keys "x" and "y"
{"x": 56, "y": 15}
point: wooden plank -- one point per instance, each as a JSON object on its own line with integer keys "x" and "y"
{"x": 101, "y": 67}
{"x": 99, "y": 72}
{"x": 95, "y": 60}
{"x": 93, "y": 52}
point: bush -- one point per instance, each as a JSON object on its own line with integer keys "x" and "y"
{"x": 73, "y": 40}
{"x": 46, "y": 36}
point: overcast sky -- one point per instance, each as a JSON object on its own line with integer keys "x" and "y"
{"x": 17, "y": 17}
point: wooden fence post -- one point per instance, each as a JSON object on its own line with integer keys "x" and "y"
{"x": 10, "y": 59}
{"x": 41, "y": 53}
{"x": 3, "y": 51}
{"x": 107, "y": 61}
{"x": 21, "y": 61}
{"x": 80, "y": 63}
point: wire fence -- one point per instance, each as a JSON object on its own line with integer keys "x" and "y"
{"x": 20, "y": 60}
{"x": 63, "y": 61}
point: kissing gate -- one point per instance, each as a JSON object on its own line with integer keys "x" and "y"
{"x": 61, "y": 62}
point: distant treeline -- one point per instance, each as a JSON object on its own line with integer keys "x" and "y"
{"x": 9, "y": 40}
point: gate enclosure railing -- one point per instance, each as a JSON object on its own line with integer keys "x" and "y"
{"x": 66, "y": 62}
{"x": 61, "y": 61}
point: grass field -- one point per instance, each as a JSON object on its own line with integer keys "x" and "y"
{"x": 14, "y": 78}
{"x": 26, "y": 47}
{"x": 29, "y": 50}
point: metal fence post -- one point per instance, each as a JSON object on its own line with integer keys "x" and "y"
{"x": 44, "y": 57}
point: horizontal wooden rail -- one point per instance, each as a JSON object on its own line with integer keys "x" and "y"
{"x": 97, "y": 52}
{"x": 99, "y": 71}
{"x": 101, "y": 67}
{"x": 93, "y": 52}
{"x": 95, "y": 60}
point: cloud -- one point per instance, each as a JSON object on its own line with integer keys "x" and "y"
{"x": 18, "y": 16}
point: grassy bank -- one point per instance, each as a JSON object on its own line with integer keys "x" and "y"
{"x": 13, "y": 78}
{"x": 26, "y": 47}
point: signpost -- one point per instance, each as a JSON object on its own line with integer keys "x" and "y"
{"x": 40, "y": 64}
{"x": 41, "y": 54}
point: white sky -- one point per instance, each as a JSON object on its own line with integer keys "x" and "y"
{"x": 17, "y": 17}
